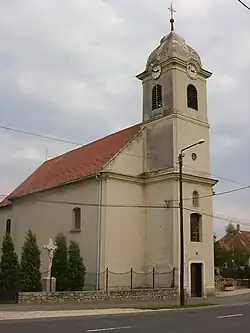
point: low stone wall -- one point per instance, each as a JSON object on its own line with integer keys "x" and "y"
{"x": 88, "y": 296}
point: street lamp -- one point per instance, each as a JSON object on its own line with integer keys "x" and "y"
{"x": 180, "y": 159}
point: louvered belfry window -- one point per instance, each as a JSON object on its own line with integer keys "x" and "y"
{"x": 157, "y": 97}
{"x": 192, "y": 97}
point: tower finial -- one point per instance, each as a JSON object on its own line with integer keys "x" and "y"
{"x": 172, "y": 11}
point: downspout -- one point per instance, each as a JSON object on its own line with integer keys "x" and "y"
{"x": 99, "y": 220}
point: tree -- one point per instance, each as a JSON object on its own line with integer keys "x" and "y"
{"x": 76, "y": 268}
{"x": 60, "y": 263}
{"x": 30, "y": 264}
{"x": 9, "y": 266}
{"x": 239, "y": 256}
{"x": 230, "y": 228}
{"x": 220, "y": 254}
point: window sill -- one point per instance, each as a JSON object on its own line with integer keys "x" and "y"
{"x": 195, "y": 242}
{"x": 75, "y": 230}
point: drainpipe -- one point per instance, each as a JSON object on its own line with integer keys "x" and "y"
{"x": 98, "y": 260}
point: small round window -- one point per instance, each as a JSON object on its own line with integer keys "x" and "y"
{"x": 194, "y": 157}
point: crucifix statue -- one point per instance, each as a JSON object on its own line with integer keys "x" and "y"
{"x": 172, "y": 11}
{"x": 51, "y": 247}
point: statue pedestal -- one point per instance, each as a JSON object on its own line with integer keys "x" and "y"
{"x": 49, "y": 285}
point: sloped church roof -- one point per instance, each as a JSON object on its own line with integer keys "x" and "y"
{"x": 75, "y": 164}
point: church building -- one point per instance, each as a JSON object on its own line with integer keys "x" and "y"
{"x": 118, "y": 197}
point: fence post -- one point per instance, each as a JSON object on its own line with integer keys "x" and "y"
{"x": 107, "y": 279}
{"x": 153, "y": 278}
{"x": 131, "y": 278}
{"x": 173, "y": 283}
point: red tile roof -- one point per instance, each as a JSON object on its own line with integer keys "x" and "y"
{"x": 74, "y": 165}
{"x": 235, "y": 238}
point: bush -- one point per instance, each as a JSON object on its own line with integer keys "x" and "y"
{"x": 76, "y": 268}
{"x": 60, "y": 263}
{"x": 30, "y": 265}
{"x": 9, "y": 267}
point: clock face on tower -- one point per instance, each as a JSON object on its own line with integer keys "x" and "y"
{"x": 156, "y": 71}
{"x": 192, "y": 70}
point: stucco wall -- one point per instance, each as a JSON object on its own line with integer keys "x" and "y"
{"x": 181, "y": 81}
{"x": 159, "y": 226}
{"x": 124, "y": 229}
{"x": 166, "y": 80}
{"x": 188, "y": 132}
{"x": 195, "y": 252}
{"x": 130, "y": 160}
{"x": 47, "y": 219}
{"x": 159, "y": 144}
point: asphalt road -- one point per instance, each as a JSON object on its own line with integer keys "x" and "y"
{"x": 206, "y": 320}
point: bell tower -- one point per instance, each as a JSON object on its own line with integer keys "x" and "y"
{"x": 174, "y": 101}
{"x": 174, "y": 116}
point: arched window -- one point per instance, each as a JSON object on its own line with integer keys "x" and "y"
{"x": 196, "y": 199}
{"x": 195, "y": 227}
{"x": 192, "y": 97}
{"x": 157, "y": 97}
{"x": 8, "y": 227}
{"x": 77, "y": 218}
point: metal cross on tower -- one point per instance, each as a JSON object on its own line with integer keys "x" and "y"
{"x": 172, "y": 11}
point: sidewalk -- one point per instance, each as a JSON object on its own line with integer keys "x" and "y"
{"x": 22, "y": 312}
{"x": 25, "y": 311}
{"x": 232, "y": 293}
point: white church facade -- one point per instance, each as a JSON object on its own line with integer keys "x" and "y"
{"x": 118, "y": 197}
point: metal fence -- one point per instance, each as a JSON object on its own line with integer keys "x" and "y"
{"x": 131, "y": 279}
{"x": 240, "y": 277}
{"x": 235, "y": 273}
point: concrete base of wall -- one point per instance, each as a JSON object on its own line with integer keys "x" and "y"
{"x": 86, "y": 296}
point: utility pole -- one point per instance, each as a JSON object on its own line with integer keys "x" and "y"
{"x": 182, "y": 251}
{"x": 182, "y": 294}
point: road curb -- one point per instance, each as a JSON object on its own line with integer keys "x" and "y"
{"x": 23, "y": 315}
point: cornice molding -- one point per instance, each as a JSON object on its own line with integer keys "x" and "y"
{"x": 119, "y": 176}
{"x": 158, "y": 176}
{"x": 174, "y": 114}
{"x": 174, "y": 176}
{"x": 172, "y": 63}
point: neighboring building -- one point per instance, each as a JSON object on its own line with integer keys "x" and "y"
{"x": 236, "y": 238}
{"x": 105, "y": 195}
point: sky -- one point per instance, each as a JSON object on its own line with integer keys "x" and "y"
{"x": 68, "y": 71}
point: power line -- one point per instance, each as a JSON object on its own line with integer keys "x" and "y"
{"x": 78, "y": 144}
{"x": 214, "y": 215}
{"x": 219, "y": 193}
{"x": 245, "y": 5}
{"x": 89, "y": 204}
{"x": 130, "y": 154}
{"x": 217, "y": 176}
{"x": 154, "y": 206}
{"x": 39, "y": 135}
{"x": 220, "y": 217}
